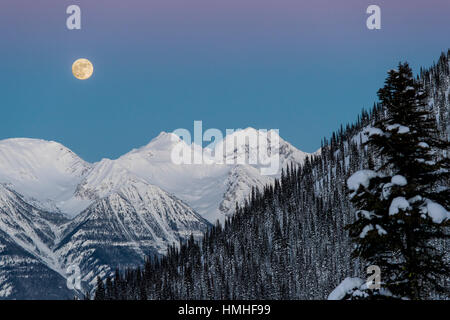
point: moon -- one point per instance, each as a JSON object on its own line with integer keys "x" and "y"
{"x": 82, "y": 69}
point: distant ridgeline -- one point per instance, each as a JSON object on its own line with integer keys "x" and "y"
{"x": 288, "y": 241}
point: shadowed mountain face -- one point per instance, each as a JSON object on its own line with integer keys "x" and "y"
{"x": 23, "y": 276}
{"x": 29, "y": 269}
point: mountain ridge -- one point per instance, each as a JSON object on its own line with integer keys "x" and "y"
{"x": 67, "y": 189}
{"x": 109, "y": 214}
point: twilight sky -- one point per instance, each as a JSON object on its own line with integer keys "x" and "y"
{"x": 303, "y": 67}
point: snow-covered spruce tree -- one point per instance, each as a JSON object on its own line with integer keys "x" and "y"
{"x": 402, "y": 206}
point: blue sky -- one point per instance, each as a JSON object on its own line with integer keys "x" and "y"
{"x": 301, "y": 67}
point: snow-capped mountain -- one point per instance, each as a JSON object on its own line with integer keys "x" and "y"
{"x": 269, "y": 144}
{"x": 209, "y": 187}
{"x": 28, "y": 266}
{"x": 56, "y": 210}
{"x": 121, "y": 228}
{"x": 205, "y": 187}
{"x": 53, "y": 178}
{"x": 45, "y": 172}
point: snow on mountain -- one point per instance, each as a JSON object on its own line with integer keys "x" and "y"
{"x": 211, "y": 188}
{"x": 238, "y": 183}
{"x": 24, "y": 276}
{"x": 128, "y": 219}
{"x": 200, "y": 185}
{"x": 33, "y": 229}
{"x": 27, "y": 235}
{"x": 243, "y": 148}
{"x": 57, "y": 210}
{"x": 120, "y": 229}
{"x": 53, "y": 178}
{"x": 45, "y": 172}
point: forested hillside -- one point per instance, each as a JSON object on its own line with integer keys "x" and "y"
{"x": 289, "y": 240}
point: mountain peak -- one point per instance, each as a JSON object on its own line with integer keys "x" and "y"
{"x": 162, "y": 143}
{"x": 164, "y": 136}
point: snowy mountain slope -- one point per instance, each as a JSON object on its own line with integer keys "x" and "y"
{"x": 119, "y": 210}
{"x": 45, "y": 172}
{"x": 206, "y": 187}
{"x": 34, "y": 230}
{"x": 126, "y": 222}
{"x": 238, "y": 183}
{"x": 23, "y": 276}
{"x": 27, "y": 235}
{"x": 262, "y": 151}
{"x": 199, "y": 185}
{"x": 53, "y": 178}
{"x": 120, "y": 229}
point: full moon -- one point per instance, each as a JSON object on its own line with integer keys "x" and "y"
{"x": 82, "y": 69}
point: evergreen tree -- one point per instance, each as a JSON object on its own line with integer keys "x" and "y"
{"x": 402, "y": 205}
{"x": 100, "y": 290}
{"x": 87, "y": 295}
{"x": 109, "y": 291}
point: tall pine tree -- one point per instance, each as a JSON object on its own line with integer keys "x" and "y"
{"x": 402, "y": 206}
